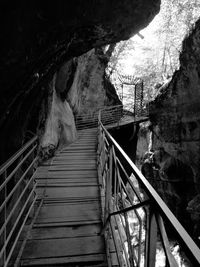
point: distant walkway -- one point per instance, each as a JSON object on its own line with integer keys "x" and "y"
{"x": 67, "y": 228}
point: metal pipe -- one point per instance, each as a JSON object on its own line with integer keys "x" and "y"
{"x": 19, "y": 232}
{"x": 17, "y": 155}
{"x": 187, "y": 241}
{"x": 17, "y": 184}
{"x": 16, "y": 168}
{"x": 17, "y": 220}
{"x": 16, "y": 204}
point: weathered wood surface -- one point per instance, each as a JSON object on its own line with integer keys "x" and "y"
{"x": 67, "y": 229}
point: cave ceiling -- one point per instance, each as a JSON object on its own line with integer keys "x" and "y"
{"x": 37, "y": 37}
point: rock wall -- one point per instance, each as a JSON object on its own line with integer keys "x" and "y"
{"x": 60, "y": 126}
{"x": 175, "y": 113}
{"x": 175, "y": 118}
{"x": 80, "y": 87}
{"x": 90, "y": 90}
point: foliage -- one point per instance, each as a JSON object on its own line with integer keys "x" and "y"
{"x": 156, "y": 57}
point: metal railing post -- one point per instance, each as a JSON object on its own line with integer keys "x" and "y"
{"x": 151, "y": 239}
{"x": 5, "y": 214}
{"x": 169, "y": 257}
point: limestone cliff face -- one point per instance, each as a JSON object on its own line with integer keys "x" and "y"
{"x": 80, "y": 87}
{"x": 60, "y": 126}
{"x": 175, "y": 113}
{"x": 90, "y": 91}
{"x": 175, "y": 117}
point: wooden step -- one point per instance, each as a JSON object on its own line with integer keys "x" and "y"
{"x": 63, "y": 212}
{"x": 61, "y": 192}
{"x": 65, "y": 232}
{"x": 93, "y": 260}
{"x": 65, "y": 250}
{"x": 66, "y": 174}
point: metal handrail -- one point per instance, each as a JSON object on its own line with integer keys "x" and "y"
{"x": 111, "y": 114}
{"x": 10, "y": 161}
{"x": 17, "y": 197}
{"x": 117, "y": 187}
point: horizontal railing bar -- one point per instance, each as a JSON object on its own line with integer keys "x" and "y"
{"x": 85, "y": 122}
{"x": 104, "y": 117}
{"x": 17, "y": 155}
{"x": 16, "y": 168}
{"x": 15, "y": 187}
{"x": 134, "y": 207}
{"x": 102, "y": 109}
{"x": 16, "y": 204}
{"x": 117, "y": 110}
{"x": 183, "y": 235}
{"x": 17, "y": 220}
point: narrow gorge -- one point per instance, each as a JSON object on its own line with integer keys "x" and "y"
{"x": 54, "y": 59}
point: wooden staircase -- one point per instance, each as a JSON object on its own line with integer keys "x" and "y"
{"x": 67, "y": 229}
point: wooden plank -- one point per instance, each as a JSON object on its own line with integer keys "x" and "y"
{"x": 52, "y": 248}
{"x": 66, "y": 181}
{"x": 73, "y": 166}
{"x": 68, "y": 168}
{"x": 63, "y": 184}
{"x": 77, "y": 172}
{"x": 89, "y": 149}
{"x": 67, "y": 174}
{"x": 85, "y": 144}
{"x": 67, "y": 171}
{"x": 86, "y": 150}
{"x": 74, "y": 163}
{"x": 75, "y": 153}
{"x": 64, "y": 175}
{"x": 65, "y": 213}
{"x": 91, "y": 191}
{"x": 74, "y": 160}
{"x": 66, "y": 224}
{"x": 65, "y": 232}
{"x": 75, "y": 157}
{"x": 77, "y": 163}
{"x": 65, "y": 260}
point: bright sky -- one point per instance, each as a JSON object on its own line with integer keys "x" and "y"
{"x": 138, "y": 55}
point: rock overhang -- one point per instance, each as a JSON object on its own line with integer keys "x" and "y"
{"x": 37, "y": 37}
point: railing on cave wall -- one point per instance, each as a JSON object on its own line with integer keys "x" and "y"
{"x": 109, "y": 115}
{"x": 133, "y": 101}
{"x": 137, "y": 223}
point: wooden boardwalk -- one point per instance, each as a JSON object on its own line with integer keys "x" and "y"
{"x": 66, "y": 231}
